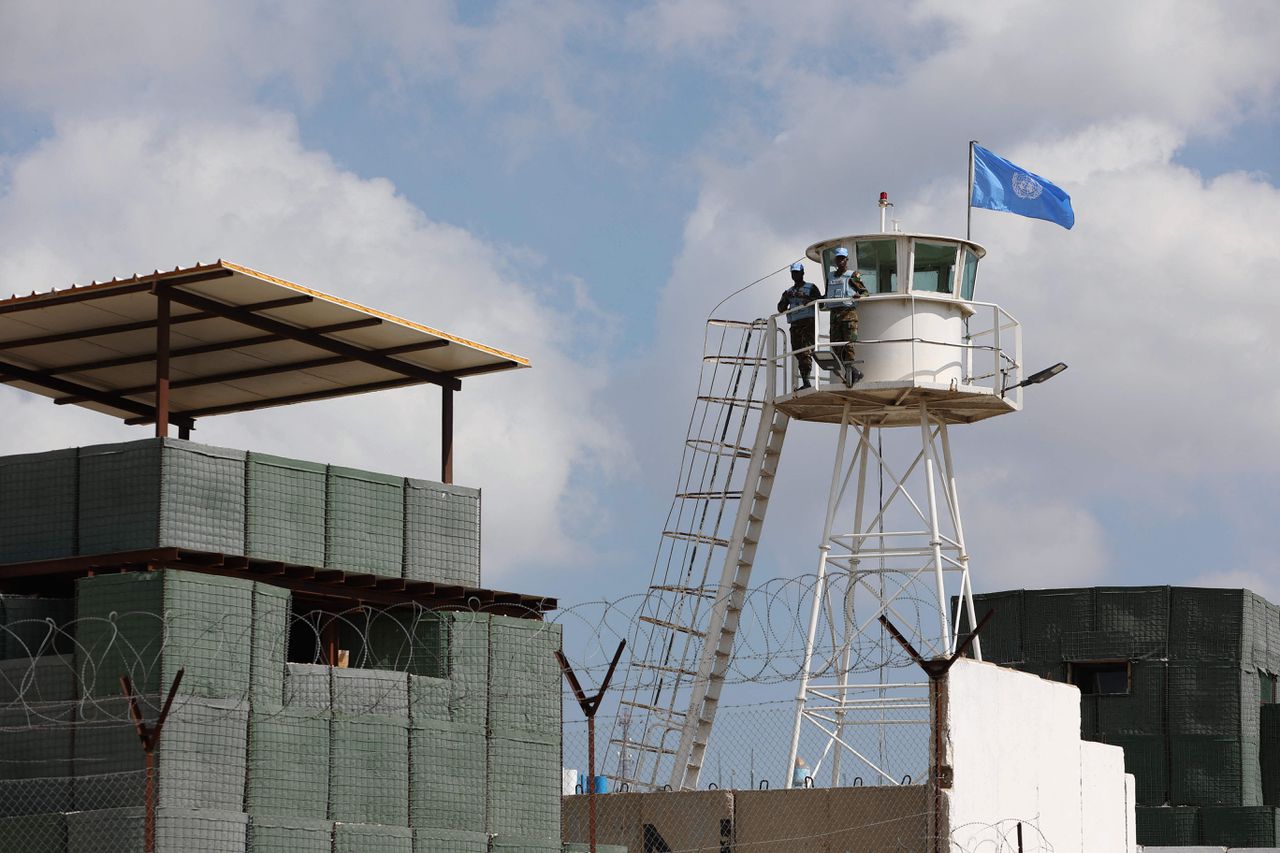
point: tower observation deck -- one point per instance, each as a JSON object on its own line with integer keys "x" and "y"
{"x": 925, "y": 355}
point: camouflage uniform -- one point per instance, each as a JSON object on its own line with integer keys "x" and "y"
{"x": 844, "y": 318}
{"x": 796, "y": 302}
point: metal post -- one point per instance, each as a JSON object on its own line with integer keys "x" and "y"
{"x": 968, "y": 199}
{"x": 162, "y": 361}
{"x": 150, "y": 737}
{"x": 589, "y": 707}
{"x": 819, "y": 592}
{"x": 935, "y": 534}
{"x": 446, "y": 435}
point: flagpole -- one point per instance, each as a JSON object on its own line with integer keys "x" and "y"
{"x": 968, "y": 202}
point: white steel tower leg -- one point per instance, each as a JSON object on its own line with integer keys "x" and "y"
{"x": 906, "y": 562}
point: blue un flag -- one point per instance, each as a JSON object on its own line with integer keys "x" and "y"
{"x": 1001, "y": 185}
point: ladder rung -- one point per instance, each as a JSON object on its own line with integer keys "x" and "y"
{"x": 645, "y": 665}
{"x": 643, "y": 747}
{"x": 733, "y": 359}
{"x": 699, "y": 591}
{"x": 643, "y": 707}
{"x": 748, "y": 402}
{"x": 719, "y": 448}
{"x": 685, "y": 629}
{"x": 704, "y": 496}
{"x": 695, "y": 537}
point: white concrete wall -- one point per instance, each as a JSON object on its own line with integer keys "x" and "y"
{"x": 1014, "y": 745}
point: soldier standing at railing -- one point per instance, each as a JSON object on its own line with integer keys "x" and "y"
{"x": 797, "y": 300}
{"x": 844, "y": 283}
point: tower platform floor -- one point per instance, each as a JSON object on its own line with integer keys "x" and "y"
{"x": 892, "y": 404}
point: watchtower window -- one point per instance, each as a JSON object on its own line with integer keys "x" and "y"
{"x": 878, "y": 265}
{"x": 934, "y": 267}
{"x": 1100, "y": 678}
{"x": 970, "y": 275}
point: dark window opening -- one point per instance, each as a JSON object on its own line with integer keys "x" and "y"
{"x": 404, "y": 639}
{"x": 1100, "y": 678}
{"x": 1268, "y": 684}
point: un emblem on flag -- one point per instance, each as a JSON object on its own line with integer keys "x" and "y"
{"x": 1025, "y": 186}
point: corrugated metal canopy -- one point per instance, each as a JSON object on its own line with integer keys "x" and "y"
{"x": 238, "y": 340}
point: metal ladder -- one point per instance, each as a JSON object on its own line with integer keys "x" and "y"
{"x": 684, "y": 634}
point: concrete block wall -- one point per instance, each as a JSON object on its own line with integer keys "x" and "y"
{"x": 1013, "y": 743}
{"x": 1203, "y": 666}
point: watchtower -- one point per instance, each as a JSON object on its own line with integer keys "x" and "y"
{"x": 930, "y": 357}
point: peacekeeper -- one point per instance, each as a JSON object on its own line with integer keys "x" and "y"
{"x": 845, "y": 284}
{"x": 797, "y": 300}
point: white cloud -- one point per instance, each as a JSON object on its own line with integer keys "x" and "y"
{"x": 116, "y": 196}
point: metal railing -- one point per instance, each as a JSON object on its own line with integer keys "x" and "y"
{"x": 989, "y": 352}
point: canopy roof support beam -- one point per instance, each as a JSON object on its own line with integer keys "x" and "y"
{"x": 205, "y": 349}
{"x": 162, "y": 362}
{"x": 145, "y": 413}
{"x": 305, "y": 336}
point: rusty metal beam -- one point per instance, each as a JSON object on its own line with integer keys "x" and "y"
{"x": 162, "y": 363}
{"x": 103, "y": 291}
{"x": 308, "y": 397}
{"x": 142, "y": 325}
{"x": 355, "y": 353}
{"x": 268, "y": 370}
{"x": 446, "y": 435}
{"x": 145, "y": 414}
{"x": 204, "y": 349}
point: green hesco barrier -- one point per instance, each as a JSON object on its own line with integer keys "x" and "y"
{"x": 525, "y": 679}
{"x": 429, "y": 698}
{"x": 25, "y": 629}
{"x": 284, "y": 512}
{"x": 37, "y": 681}
{"x": 524, "y": 787}
{"x": 1214, "y": 771}
{"x": 1145, "y": 756}
{"x": 378, "y": 692}
{"x": 448, "y": 775}
{"x": 38, "y": 506}
{"x": 580, "y": 847}
{"x": 1246, "y": 826}
{"x": 200, "y": 762}
{"x": 151, "y": 624}
{"x": 369, "y": 770}
{"x": 35, "y": 742}
{"x": 118, "y": 830}
{"x": 468, "y": 640}
{"x": 364, "y": 522}
{"x": 366, "y": 838}
{"x": 442, "y": 533}
{"x": 1142, "y": 711}
{"x": 1168, "y": 826}
{"x": 1137, "y": 617}
{"x": 1051, "y": 614}
{"x": 37, "y": 833}
{"x": 1212, "y": 699}
{"x": 271, "y": 834}
{"x": 271, "y": 606}
{"x": 1269, "y": 753}
{"x": 517, "y": 844}
{"x": 1208, "y": 624}
{"x": 1002, "y": 636}
{"x": 308, "y": 685}
{"x": 1272, "y": 630}
{"x": 288, "y": 762}
{"x": 201, "y": 757}
{"x": 161, "y": 492}
{"x": 430, "y": 840}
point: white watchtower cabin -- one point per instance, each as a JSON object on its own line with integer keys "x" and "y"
{"x": 931, "y": 357}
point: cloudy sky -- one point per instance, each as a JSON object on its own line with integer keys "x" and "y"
{"x": 582, "y": 182}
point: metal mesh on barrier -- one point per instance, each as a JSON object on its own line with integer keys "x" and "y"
{"x": 156, "y": 493}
